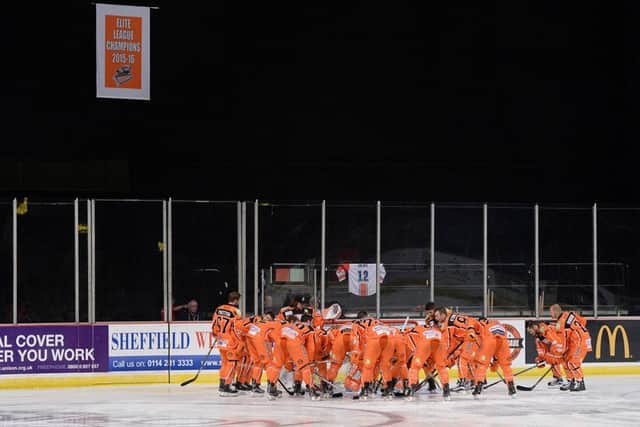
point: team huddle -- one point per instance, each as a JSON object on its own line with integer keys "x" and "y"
{"x": 383, "y": 357}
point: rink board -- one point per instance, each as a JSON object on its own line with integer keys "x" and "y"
{"x": 70, "y": 355}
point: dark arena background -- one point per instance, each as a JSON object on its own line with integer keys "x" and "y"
{"x": 352, "y": 157}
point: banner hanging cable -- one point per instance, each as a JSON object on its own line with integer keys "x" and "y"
{"x": 93, "y": 3}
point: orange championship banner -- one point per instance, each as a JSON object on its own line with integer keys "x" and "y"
{"x": 122, "y": 51}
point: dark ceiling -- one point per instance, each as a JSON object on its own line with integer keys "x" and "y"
{"x": 457, "y": 101}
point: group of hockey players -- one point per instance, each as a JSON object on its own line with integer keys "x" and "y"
{"x": 380, "y": 356}
{"x": 562, "y": 344}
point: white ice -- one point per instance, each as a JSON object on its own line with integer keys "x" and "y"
{"x": 608, "y": 401}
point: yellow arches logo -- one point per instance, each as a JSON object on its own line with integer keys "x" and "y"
{"x": 612, "y": 335}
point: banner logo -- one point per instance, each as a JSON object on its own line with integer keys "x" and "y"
{"x": 516, "y": 342}
{"x": 612, "y": 335}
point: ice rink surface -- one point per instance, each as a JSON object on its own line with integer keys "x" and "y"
{"x": 608, "y": 401}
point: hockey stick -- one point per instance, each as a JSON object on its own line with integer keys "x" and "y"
{"x": 455, "y": 349}
{"x": 494, "y": 383}
{"x": 189, "y": 381}
{"x": 404, "y": 325}
{"x": 515, "y": 375}
{"x": 525, "y": 388}
{"x": 289, "y": 392}
{"x": 326, "y": 381}
{"x": 424, "y": 381}
{"x": 313, "y": 362}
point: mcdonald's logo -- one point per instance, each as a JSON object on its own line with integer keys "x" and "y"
{"x": 612, "y": 341}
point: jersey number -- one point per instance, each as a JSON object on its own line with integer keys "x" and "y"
{"x": 579, "y": 325}
{"x": 219, "y": 324}
{"x": 363, "y": 276}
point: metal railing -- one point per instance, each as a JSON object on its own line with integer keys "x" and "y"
{"x": 483, "y": 286}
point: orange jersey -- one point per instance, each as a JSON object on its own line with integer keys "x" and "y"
{"x": 453, "y": 343}
{"x": 363, "y": 330}
{"x": 298, "y": 332}
{"x": 549, "y": 346}
{"x": 224, "y": 320}
{"x": 333, "y": 333}
{"x": 244, "y": 325}
{"x": 572, "y": 327}
{"x": 322, "y": 343}
{"x": 493, "y": 328}
{"x": 424, "y": 343}
{"x": 300, "y": 336}
{"x": 339, "y": 345}
{"x": 397, "y": 338}
{"x": 318, "y": 320}
{"x": 342, "y": 332}
{"x": 422, "y": 333}
{"x": 375, "y": 329}
{"x": 274, "y": 330}
{"x": 553, "y": 341}
{"x": 265, "y": 330}
{"x": 460, "y": 325}
{"x": 358, "y": 337}
{"x": 573, "y": 321}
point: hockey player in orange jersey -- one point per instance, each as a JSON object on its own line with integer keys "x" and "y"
{"x": 278, "y": 355}
{"x": 297, "y": 343}
{"x": 248, "y": 365}
{"x": 429, "y": 309}
{"x": 353, "y": 381}
{"x": 378, "y": 352}
{"x": 259, "y": 335}
{"x": 465, "y": 329}
{"x": 549, "y": 347}
{"x": 427, "y": 348}
{"x": 454, "y": 349}
{"x": 321, "y": 343}
{"x": 493, "y": 345}
{"x": 340, "y": 340}
{"x": 400, "y": 368}
{"x": 228, "y": 341}
{"x": 322, "y": 350}
{"x": 393, "y": 361}
{"x": 572, "y": 327}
